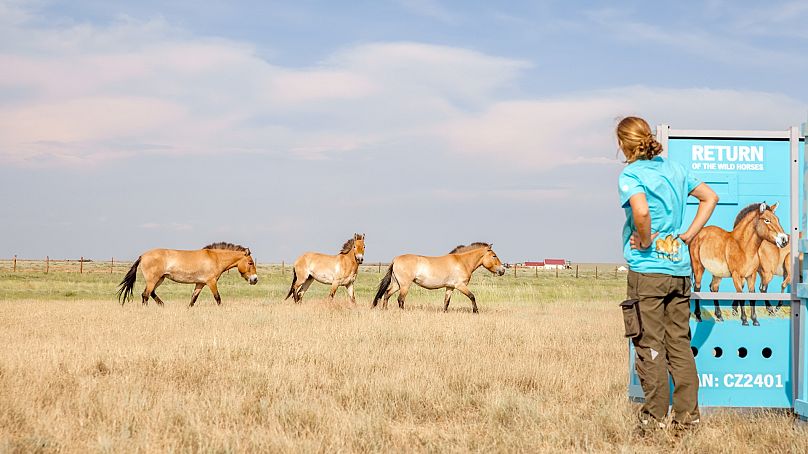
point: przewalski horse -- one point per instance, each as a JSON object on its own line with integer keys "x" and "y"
{"x": 336, "y": 270}
{"x": 451, "y": 271}
{"x": 201, "y": 267}
{"x": 774, "y": 261}
{"x": 735, "y": 254}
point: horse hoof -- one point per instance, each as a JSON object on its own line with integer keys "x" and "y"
{"x": 735, "y": 312}
{"x": 755, "y": 323}
{"x": 770, "y": 310}
{"x": 745, "y": 322}
{"x": 698, "y": 317}
{"x": 719, "y": 318}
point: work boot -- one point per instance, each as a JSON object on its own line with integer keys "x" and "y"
{"x": 647, "y": 424}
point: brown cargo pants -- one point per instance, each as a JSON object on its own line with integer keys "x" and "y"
{"x": 664, "y": 345}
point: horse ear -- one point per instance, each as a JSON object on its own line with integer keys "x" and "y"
{"x": 248, "y": 251}
{"x": 763, "y": 207}
{"x": 774, "y": 207}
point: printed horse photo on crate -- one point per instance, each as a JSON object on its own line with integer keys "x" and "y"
{"x": 201, "y": 267}
{"x": 668, "y": 248}
{"x": 774, "y": 261}
{"x": 335, "y": 270}
{"x": 735, "y": 254}
{"x": 452, "y": 272}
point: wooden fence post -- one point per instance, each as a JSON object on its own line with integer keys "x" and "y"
{"x": 615, "y": 272}
{"x": 15, "y": 263}
{"x": 514, "y": 270}
{"x": 576, "y": 271}
{"x": 47, "y": 264}
{"x": 81, "y": 265}
{"x": 556, "y": 271}
{"x": 596, "y": 272}
{"x": 537, "y": 270}
{"x": 380, "y": 267}
{"x": 111, "y": 265}
{"x": 283, "y": 268}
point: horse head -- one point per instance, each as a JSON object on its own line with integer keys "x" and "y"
{"x": 492, "y": 263}
{"x": 767, "y": 226}
{"x": 246, "y": 266}
{"x": 359, "y": 247}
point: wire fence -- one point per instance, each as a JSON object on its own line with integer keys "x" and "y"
{"x": 84, "y": 265}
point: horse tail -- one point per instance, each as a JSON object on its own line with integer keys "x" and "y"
{"x": 292, "y": 288}
{"x": 128, "y": 283}
{"x": 383, "y": 285}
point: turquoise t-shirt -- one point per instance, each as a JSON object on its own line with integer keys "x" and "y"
{"x": 666, "y": 186}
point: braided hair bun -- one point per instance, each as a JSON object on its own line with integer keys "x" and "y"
{"x": 636, "y": 139}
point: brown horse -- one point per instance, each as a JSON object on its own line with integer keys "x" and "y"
{"x": 452, "y": 271}
{"x": 735, "y": 254}
{"x": 201, "y": 267}
{"x": 336, "y": 270}
{"x": 774, "y": 261}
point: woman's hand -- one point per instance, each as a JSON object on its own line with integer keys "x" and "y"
{"x": 686, "y": 237}
{"x": 636, "y": 243}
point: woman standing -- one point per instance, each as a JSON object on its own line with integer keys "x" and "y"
{"x": 653, "y": 192}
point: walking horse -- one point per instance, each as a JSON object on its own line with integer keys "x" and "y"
{"x": 201, "y": 267}
{"x": 336, "y": 270}
{"x": 451, "y": 271}
{"x": 735, "y": 254}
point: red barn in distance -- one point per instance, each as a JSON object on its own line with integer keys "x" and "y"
{"x": 548, "y": 264}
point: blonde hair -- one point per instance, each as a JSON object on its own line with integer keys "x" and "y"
{"x": 636, "y": 139}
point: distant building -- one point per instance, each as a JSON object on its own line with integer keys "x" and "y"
{"x": 552, "y": 264}
{"x": 534, "y": 264}
{"x": 622, "y": 268}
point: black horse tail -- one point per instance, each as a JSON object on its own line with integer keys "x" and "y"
{"x": 292, "y": 288}
{"x": 383, "y": 285}
{"x": 128, "y": 283}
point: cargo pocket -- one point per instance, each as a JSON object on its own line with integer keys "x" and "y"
{"x": 631, "y": 317}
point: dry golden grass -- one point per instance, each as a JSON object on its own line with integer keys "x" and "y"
{"x": 250, "y": 376}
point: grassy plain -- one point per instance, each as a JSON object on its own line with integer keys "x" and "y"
{"x": 542, "y": 368}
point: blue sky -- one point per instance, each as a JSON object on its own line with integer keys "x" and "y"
{"x": 288, "y": 126}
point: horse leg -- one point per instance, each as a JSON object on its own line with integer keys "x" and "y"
{"x": 765, "y": 279}
{"x": 465, "y": 290}
{"x": 402, "y": 295}
{"x": 393, "y": 288}
{"x": 195, "y": 295}
{"x": 215, "y": 290}
{"x": 714, "y": 288}
{"x": 153, "y": 293}
{"x": 147, "y": 292}
{"x": 298, "y": 295}
{"x": 698, "y": 274}
{"x": 333, "y": 291}
{"x": 447, "y": 298}
{"x": 750, "y": 286}
{"x": 737, "y": 280}
{"x": 351, "y": 294}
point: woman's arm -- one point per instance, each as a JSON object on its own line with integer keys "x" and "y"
{"x": 708, "y": 199}
{"x": 641, "y": 238}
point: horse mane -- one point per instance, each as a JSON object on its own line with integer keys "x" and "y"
{"x": 464, "y": 248}
{"x": 226, "y": 246}
{"x": 346, "y": 248}
{"x": 743, "y": 213}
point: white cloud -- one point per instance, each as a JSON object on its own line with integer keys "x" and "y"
{"x": 579, "y": 128}
{"x": 84, "y": 94}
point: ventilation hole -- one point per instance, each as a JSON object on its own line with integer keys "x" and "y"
{"x": 717, "y": 352}
{"x": 742, "y": 352}
{"x": 767, "y": 352}
{"x": 695, "y": 351}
